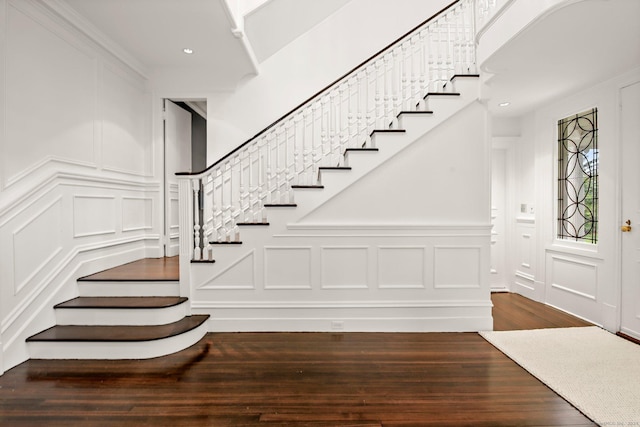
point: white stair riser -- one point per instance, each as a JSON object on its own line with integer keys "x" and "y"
{"x": 280, "y": 215}
{"x": 333, "y": 178}
{"x": 120, "y": 316}
{"x": 116, "y": 350}
{"x": 467, "y": 86}
{"x": 128, "y": 289}
{"x": 361, "y": 159}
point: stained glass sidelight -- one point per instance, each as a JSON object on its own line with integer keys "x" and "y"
{"x": 578, "y": 177}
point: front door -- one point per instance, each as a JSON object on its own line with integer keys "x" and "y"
{"x": 630, "y": 135}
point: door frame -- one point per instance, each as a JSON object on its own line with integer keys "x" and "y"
{"x": 622, "y": 215}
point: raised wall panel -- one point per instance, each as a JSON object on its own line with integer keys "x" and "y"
{"x": 174, "y": 225}
{"x": 344, "y": 267}
{"x": 51, "y": 92}
{"x": 125, "y": 123}
{"x": 525, "y": 251}
{"x": 456, "y": 267}
{"x": 401, "y": 267}
{"x": 137, "y": 213}
{"x": 35, "y": 243}
{"x": 94, "y": 215}
{"x": 287, "y": 267}
{"x": 578, "y": 278}
{"x": 239, "y": 275}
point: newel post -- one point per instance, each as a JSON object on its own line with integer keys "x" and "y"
{"x": 186, "y": 223}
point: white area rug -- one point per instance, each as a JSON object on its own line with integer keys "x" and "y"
{"x": 595, "y": 370}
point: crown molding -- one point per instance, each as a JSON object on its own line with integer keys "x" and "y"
{"x": 63, "y": 10}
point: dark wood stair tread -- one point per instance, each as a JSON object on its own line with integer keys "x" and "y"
{"x": 427, "y": 112}
{"x": 118, "y": 333}
{"x": 143, "y": 270}
{"x": 225, "y": 242}
{"x": 362, "y": 149}
{"x": 122, "y": 302}
{"x": 280, "y": 205}
{"x": 307, "y": 186}
{"x": 455, "y": 76}
{"x": 252, "y": 223}
{"x": 442, "y": 94}
{"x": 387, "y": 131}
{"x": 334, "y": 168}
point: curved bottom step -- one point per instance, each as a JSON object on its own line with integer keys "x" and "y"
{"x": 117, "y": 342}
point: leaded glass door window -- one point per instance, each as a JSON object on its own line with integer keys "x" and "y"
{"x": 578, "y": 177}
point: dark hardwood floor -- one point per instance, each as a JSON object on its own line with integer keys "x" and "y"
{"x": 301, "y": 379}
{"x": 514, "y": 312}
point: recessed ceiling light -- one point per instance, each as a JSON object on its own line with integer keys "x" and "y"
{"x": 187, "y": 51}
{"x": 504, "y": 104}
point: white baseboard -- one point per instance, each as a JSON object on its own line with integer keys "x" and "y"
{"x": 416, "y": 318}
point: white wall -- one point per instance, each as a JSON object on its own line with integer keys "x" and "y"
{"x": 405, "y": 247}
{"x": 80, "y": 189}
{"x": 308, "y": 64}
{"x": 579, "y": 278}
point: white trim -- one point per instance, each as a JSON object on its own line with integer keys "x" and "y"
{"x": 409, "y": 227}
{"x": 573, "y": 291}
{"x": 237, "y": 29}
{"x": 338, "y": 304}
{"x": 31, "y": 170}
{"x": 81, "y": 180}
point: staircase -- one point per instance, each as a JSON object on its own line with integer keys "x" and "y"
{"x": 255, "y": 254}
{"x": 279, "y": 236}
{"x": 122, "y": 314}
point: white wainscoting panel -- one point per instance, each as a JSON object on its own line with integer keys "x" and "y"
{"x": 456, "y": 267}
{"x": 349, "y": 278}
{"x": 572, "y": 284}
{"x": 523, "y": 259}
{"x": 51, "y": 88}
{"x": 401, "y": 267}
{"x": 573, "y": 276}
{"x": 239, "y": 275}
{"x": 344, "y": 267}
{"x": 287, "y": 267}
{"x": 137, "y": 213}
{"x": 94, "y": 215}
{"x": 35, "y": 243}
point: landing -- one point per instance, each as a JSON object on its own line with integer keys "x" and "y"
{"x": 147, "y": 269}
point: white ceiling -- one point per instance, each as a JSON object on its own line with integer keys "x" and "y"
{"x": 270, "y": 27}
{"x": 585, "y": 42}
{"x": 153, "y": 33}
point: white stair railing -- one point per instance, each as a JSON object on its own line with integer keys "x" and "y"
{"x": 289, "y": 153}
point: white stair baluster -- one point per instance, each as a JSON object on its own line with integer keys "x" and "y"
{"x": 370, "y": 103}
{"x": 197, "y": 251}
